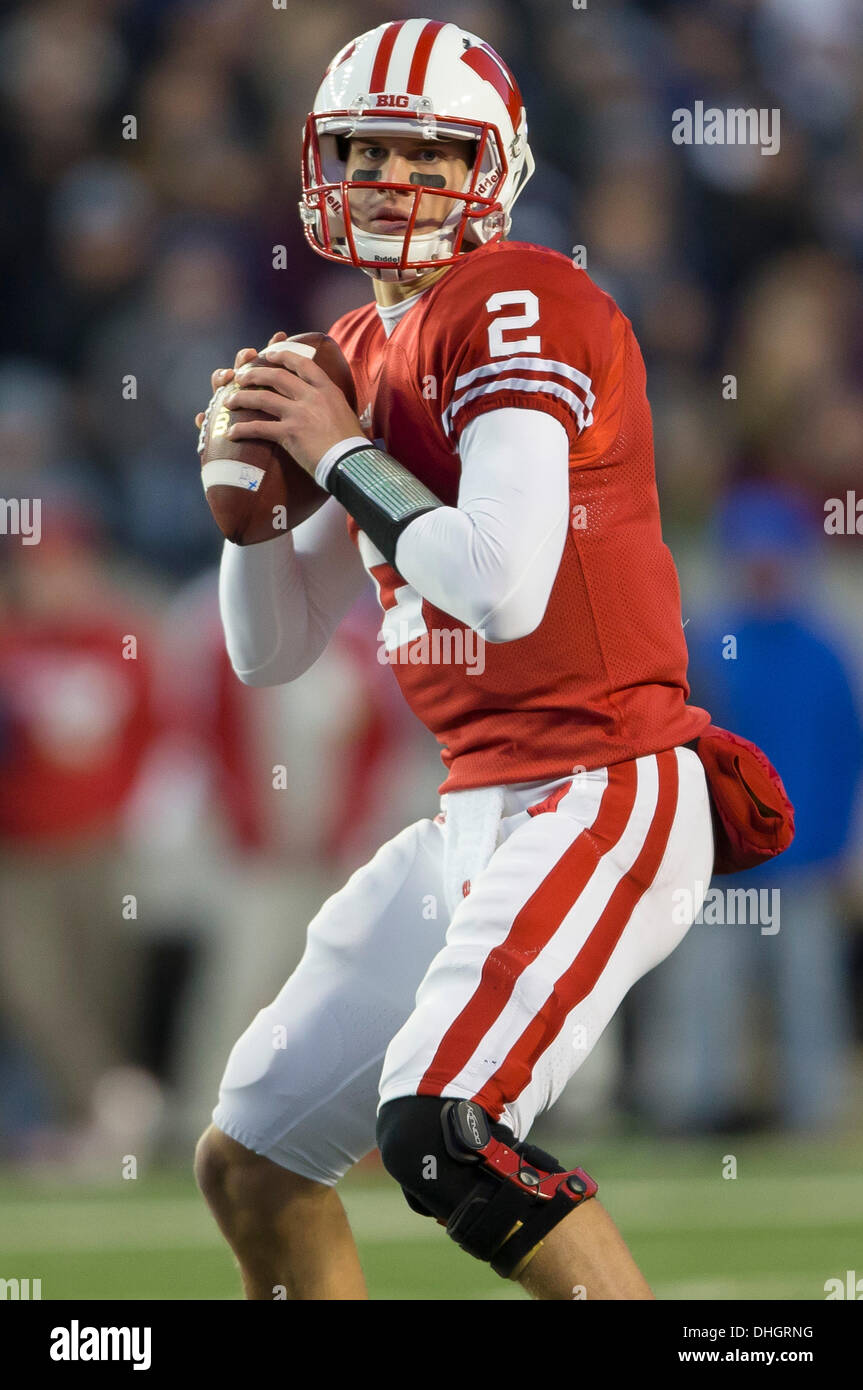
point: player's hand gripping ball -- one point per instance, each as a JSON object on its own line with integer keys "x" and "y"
{"x": 255, "y": 489}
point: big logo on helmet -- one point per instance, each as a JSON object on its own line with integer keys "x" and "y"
{"x": 390, "y": 99}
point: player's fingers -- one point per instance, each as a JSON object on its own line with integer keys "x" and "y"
{"x": 273, "y": 377}
{"x": 220, "y": 376}
{"x": 270, "y": 401}
{"x": 300, "y": 366}
{"x": 258, "y": 429}
{"x": 278, "y": 337}
{"x": 244, "y": 355}
{"x": 199, "y": 419}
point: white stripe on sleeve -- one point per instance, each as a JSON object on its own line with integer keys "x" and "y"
{"x": 545, "y": 368}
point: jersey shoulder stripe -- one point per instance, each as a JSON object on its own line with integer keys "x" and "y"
{"x": 583, "y": 417}
{"x": 528, "y": 364}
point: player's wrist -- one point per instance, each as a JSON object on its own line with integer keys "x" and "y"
{"x": 334, "y": 453}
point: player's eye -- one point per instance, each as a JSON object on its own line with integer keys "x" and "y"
{"x": 374, "y": 152}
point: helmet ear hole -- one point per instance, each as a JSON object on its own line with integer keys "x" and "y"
{"x": 469, "y": 151}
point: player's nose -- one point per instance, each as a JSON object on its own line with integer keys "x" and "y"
{"x": 397, "y": 169}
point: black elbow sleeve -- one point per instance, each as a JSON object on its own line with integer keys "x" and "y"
{"x": 380, "y": 494}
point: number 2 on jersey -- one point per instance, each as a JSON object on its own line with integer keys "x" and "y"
{"x": 497, "y": 345}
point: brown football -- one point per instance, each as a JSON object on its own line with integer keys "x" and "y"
{"x": 255, "y": 489}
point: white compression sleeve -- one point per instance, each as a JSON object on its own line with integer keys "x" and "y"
{"x": 492, "y": 560}
{"x": 282, "y": 601}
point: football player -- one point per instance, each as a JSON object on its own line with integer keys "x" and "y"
{"x": 498, "y": 487}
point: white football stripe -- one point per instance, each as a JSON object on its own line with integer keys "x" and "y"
{"x": 231, "y": 473}
{"x": 301, "y": 349}
{"x": 551, "y": 388}
{"x": 539, "y": 364}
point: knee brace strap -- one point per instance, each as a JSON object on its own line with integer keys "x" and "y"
{"x": 506, "y": 1225}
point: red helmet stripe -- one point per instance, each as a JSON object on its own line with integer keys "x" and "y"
{"x": 378, "y": 79}
{"x": 422, "y": 53}
{"x": 493, "y": 72}
{"x": 341, "y": 58}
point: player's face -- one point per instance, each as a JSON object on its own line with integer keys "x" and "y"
{"x": 385, "y": 211}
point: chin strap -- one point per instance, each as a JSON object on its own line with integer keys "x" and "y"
{"x": 377, "y": 248}
{"x": 398, "y": 277}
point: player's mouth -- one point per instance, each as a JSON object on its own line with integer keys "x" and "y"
{"x": 392, "y": 221}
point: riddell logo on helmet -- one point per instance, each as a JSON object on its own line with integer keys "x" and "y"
{"x": 389, "y": 99}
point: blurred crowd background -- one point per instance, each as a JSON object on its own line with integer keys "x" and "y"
{"x": 155, "y": 883}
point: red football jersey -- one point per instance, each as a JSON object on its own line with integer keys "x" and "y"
{"x": 603, "y": 677}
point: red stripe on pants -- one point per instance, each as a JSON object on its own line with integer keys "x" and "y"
{"x": 532, "y": 928}
{"x": 576, "y": 983}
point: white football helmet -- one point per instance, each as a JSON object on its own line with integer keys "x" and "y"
{"x": 429, "y": 80}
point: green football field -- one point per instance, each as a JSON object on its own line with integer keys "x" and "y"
{"x": 791, "y": 1219}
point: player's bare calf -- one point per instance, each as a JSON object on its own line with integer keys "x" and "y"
{"x": 290, "y": 1235}
{"x": 585, "y": 1257}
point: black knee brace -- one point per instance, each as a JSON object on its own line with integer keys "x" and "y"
{"x": 497, "y": 1198}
